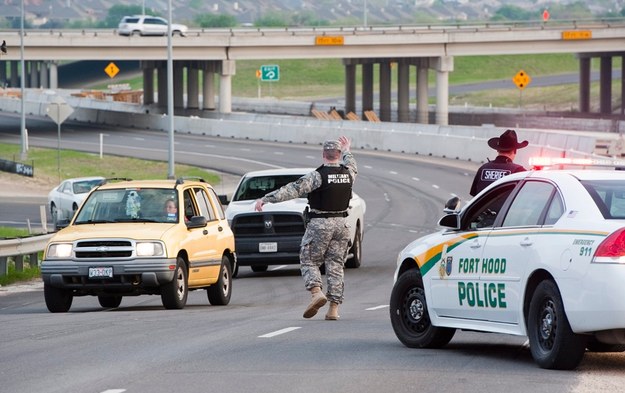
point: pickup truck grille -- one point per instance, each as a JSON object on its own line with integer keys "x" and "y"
{"x": 104, "y": 249}
{"x": 255, "y": 224}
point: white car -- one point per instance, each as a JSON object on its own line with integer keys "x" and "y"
{"x": 273, "y": 236}
{"x": 538, "y": 254}
{"x": 64, "y": 200}
{"x": 148, "y": 25}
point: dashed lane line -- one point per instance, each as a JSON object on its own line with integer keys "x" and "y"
{"x": 279, "y": 332}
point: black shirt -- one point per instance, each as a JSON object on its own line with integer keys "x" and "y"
{"x": 493, "y": 170}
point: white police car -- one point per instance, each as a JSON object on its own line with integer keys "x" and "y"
{"x": 539, "y": 253}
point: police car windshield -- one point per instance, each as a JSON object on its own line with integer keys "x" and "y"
{"x": 257, "y": 187}
{"x": 609, "y": 196}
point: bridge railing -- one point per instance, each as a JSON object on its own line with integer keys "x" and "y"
{"x": 20, "y": 251}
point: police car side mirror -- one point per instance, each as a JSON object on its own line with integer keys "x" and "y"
{"x": 452, "y": 205}
{"x": 450, "y": 221}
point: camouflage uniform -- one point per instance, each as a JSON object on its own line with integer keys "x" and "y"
{"x": 326, "y": 240}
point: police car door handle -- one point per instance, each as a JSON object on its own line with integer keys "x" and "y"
{"x": 526, "y": 242}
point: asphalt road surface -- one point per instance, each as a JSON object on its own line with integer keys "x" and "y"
{"x": 260, "y": 342}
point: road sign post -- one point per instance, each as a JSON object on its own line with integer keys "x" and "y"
{"x": 59, "y": 111}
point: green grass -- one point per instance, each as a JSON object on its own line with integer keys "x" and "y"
{"x": 77, "y": 164}
{"x": 12, "y": 233}
{"x": 14, "y": 276}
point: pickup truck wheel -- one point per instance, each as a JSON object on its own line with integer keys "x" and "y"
{"x": 110, "y": 301}
{"x": 552, "y": 342}
{"x": 409, "y": 314}
{"x": 355, "y": 251}
{"x": 259, "y": 268}
{"x": 57, "y": 299}
{"x": 174, "y": 293}
{"x": 220, "y": 292}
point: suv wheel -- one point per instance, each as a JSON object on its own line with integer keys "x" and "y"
{"x": 174, "y": 293}
{"x": 220, "y": 292}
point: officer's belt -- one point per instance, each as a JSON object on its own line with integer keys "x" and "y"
{"x": 327, "y": 215}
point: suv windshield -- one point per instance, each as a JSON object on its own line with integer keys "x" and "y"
{"x": 257, "y": 187}
{"x": 130, "y": 205}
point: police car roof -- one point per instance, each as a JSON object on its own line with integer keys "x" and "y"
{"x": 280, "y": 171}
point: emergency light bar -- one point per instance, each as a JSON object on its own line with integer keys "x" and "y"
{"x": 551, "y": 161}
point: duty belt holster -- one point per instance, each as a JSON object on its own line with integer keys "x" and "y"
{"x": 327, "y": 215}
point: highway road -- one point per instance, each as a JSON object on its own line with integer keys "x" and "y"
{"x": 260, "y": 342}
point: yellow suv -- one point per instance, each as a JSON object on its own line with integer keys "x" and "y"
{"x": 155, "y": 237}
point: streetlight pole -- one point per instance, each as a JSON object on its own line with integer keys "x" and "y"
{"x": 22, "y": 83}
{"x": 170, "y": 95}
{"x": 365, "y": 14}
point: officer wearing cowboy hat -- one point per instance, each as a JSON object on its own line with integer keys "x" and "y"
{"x": 506, "y": 146}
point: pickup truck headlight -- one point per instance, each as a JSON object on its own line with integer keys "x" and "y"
{"x": 59, "y": 250}
{"x": 150, "y": 249}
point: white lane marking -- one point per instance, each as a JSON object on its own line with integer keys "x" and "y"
{"x": 279, "y": 332}
{"x": 277, "y": 267}
{"x": 114, "y": 391}
{"x": 278, "y": 153}
{"x": 136, "y": 138}
{"x": 312, "y": 157}
{"x": 416, "y": 179}
{"x": 377, "y": 307}
{"x": 368, "y": 166}
{"x": 386, "y": 197}
{"x": 392, "y": 172}
{"x": 245, "y": 149}
{"x": 211, "y": 146}
{"x": 435, "y": 186}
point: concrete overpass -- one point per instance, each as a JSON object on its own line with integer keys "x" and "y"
{"x": 214, "y": 52}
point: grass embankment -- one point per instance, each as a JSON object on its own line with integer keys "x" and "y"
{"x": 312, "y": 79}
{"x": 77, "y": 164}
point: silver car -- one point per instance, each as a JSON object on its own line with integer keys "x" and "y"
{"x": 148, "y": 25}
{"x": 65, "y": 199}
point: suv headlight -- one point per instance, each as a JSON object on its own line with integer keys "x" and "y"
{"x": 150, "y": 249}
{"x": 59, "y": 250}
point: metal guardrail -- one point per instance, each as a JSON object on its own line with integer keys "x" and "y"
{"x": 18, "y": 249}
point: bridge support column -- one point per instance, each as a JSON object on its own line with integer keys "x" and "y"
{"x": 162, "y": 84}
{"x": 350, "y": 86}
{"x": 178, "y": 84}
{"x": 444, "y": 65}
{"x": 54, "y": 74}
{"x": 193, "y": 88}
{"x": 3, "y": 74}
{"x": 43, "y": 75}
{"x": 422, "y": 91}
{"x": 228, "y": 69}
{"x": 208, "y": 86}
{"x": 385, "y": 90}
{"x": 367, "y": 88}
{"x": 34, "y": 74}
{"x": 584, "y": 84}
{"x": 15, "y": 79}
{"x": 605, "y": 85}
{"x": 148, "y": 82}
{"x": 403, "y": 91}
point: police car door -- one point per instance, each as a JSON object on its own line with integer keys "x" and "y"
{"x": 455, "y": 284}
{"x": 509, "y": 248}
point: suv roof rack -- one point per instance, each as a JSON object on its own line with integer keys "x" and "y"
{"x": 181, "y": 179}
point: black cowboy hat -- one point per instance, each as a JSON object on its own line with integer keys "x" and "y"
{"x": 506, "y": 142}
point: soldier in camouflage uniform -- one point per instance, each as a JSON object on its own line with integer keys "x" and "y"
{"x": 326, "y": 240}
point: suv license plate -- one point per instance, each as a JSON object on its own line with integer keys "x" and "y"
{"x": 100, "y": 272}
{"x": 268, "y": 247}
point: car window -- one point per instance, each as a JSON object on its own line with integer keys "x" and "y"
{"x": 154, "y": 21}
{"x": 65, "y": 187}
{"x": 555, "y": 211}
{"x": 219, "y": 207}
{"x": 529, "y": 204}
{"x": 189, "y": 207}
{"x": 130, "y": 20}
{"x": 257, "y": 187}
{"x": 484, "y": 212}
{"x": 206, "y": 209}
{"x": 609, "y": 196}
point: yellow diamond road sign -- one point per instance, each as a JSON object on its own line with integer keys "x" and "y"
{"x": 521, "y": 79}
{"x": 111, "y": 70}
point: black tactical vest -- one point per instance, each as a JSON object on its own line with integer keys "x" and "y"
{"x": 335, "y": 191}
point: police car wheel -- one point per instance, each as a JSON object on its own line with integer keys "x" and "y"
{"x": 409, "y": 315}
{"x": 355, "y": 251}
{"x": 552, "y": 342}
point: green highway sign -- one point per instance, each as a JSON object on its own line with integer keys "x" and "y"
{"x": 269, "y": 73}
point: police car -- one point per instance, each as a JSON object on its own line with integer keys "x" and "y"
{"x": 538, "y": 254}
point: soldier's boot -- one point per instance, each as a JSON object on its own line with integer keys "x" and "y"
{"x": 317, "y": 301}
{"x": 333, "y": 312}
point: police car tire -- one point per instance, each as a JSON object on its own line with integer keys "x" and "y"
{"x": 174, "y": 294}
{"x": 356, "y": 251}
{"x": 57, "y": 299}
{"x": 220, "y": 292}
{"x": 558, "y": 348}
{"x": 415, "y": 330}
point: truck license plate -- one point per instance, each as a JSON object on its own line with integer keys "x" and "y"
{"x": 100, "y": 272}
{"x": 268, "y": 247}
